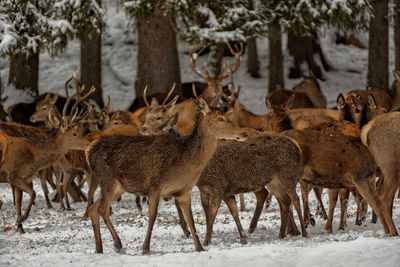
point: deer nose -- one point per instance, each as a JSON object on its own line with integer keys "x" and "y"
{"x": 245, "y": 134}
{"x": 143, "y": 130}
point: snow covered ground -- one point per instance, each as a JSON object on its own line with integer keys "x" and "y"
{"x": 55, "y": 237}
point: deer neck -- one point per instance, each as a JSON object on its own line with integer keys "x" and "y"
{"x": 201, "y": 143}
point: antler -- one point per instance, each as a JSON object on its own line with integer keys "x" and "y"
{"x": 169, "y": 94}
{"x": 145, "y": 97}
{"x": 194, "y": 91}
{"x": 193, "y": 57}
{"x": 238, "y": 56}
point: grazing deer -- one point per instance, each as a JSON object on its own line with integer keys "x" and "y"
{"x": 26, "y": 156}
{"x": 157, "y": 166}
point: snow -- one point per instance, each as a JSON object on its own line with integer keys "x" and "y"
{"x": 56, "y": 237}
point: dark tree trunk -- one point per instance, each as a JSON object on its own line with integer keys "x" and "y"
{"x": 24, "y": 72}
{"x": 253, "y": 65}
{"x": 91, "y": 67}
{"x": 397, "y": 35}
{"x": 158, "y": 62}
{"x": 215, "y": 58}
{"x": 378, "y": 50}
{"x": 275, "y": 58}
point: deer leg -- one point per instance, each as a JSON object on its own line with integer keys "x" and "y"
{"x": 182, "y": 220}
{"x": 59, "y": 189}
{"x": 366, "y": 190}
{"x": 138, "y": 203}
{"x": 231, "y": 203}
{"x": 242, "y": 205}
{"x": 154, "y": 199}
{"x": 306, "y": 209}
{"x": 320, "y": 207}
{"x": 92, "y": 189}
{"x": 333, "y": 196}
{"x": 43, "y": 178}
{"x": 22, "y": 185}
{"x": 17, "y": 193}
{"x": 291, "y": 227}
{"x": 205, "y": 203}
{"x": 296, "y": 203}
{"x": 344, "y": 197}
{"x": 95, "y": 217}
{"x": 66, "y": 181}
{"x": 104, "y": 210}
{"x": 212, "y": 213}
{"x": 185, "y": 202}
{"x": 261, "y": 196}
{"x": 284, "y": 206}
{"x": 357, "y": 199}
{"x": 268, "y": 200}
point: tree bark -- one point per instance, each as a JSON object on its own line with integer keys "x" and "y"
{"x": 275, "y": 58}
{"x": 378, "y": 50}
{"x": 253, "y": 65}
{"x": 158, "y": 62}
{"x": 397, "y": 34}
{"x": 215, "y": 58}
{"x": 91, "y": 67}
{"x": 24, "y": 72}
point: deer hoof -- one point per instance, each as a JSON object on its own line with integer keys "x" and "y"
{"x": 312, "y": 221}
{"x": 243, "y": 240}
{"x": 188, "y": 234}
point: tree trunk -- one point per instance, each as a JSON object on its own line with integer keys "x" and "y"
{"x": 158, "y": 62}
{"x": 397, "y": 34}
{"x": 215, "y": 59}
{"x": 253, "y": 65}
{"x": 91, "y": 67}
{"x": 24, "y": 72}
{"x": 275, "y": 57}
{"x": 378, "y": 50}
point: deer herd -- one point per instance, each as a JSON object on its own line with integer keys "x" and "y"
{"x": 213, "y": 142}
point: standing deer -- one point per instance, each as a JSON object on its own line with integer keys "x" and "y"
{"x": 157, "y": 166}
{"x": 29, "y": 154}
{"x": 381, "y": 135}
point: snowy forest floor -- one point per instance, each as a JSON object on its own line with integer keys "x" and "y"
{"x": 55, "y": 237}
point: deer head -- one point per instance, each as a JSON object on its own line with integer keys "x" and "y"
{"x": 159, "y": 118}
{"x": 214, "y": 90}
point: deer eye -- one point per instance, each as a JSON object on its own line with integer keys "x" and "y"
{"x": 75, "y": 134}
{"x": 221, "y": 119}
{"x": 158, "y": 118}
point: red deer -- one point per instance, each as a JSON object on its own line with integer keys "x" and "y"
{"x": 342, "y": 163}
{"x": 29, "y": 154}
{"x": 167, "y": 165}
{"x": 381, "y": 135}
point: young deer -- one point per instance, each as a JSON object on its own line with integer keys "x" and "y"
{"x": 157, "y": 166}
{"x": 310, "y": 86}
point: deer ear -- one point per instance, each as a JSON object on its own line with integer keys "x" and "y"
{"x": 270, "y": 105}
{"x": 53, "y": 100}
{"x": 172, "y": 103}
{"x": 171, "y": 123}
{"x": 371, "y": 101}
{"x": 288, "y": 104}
{"x": 396, "y": 74}
{"x": 340, "y": 103}
{"x": 154, "y": 103}
{"x": 203, "y": 106}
